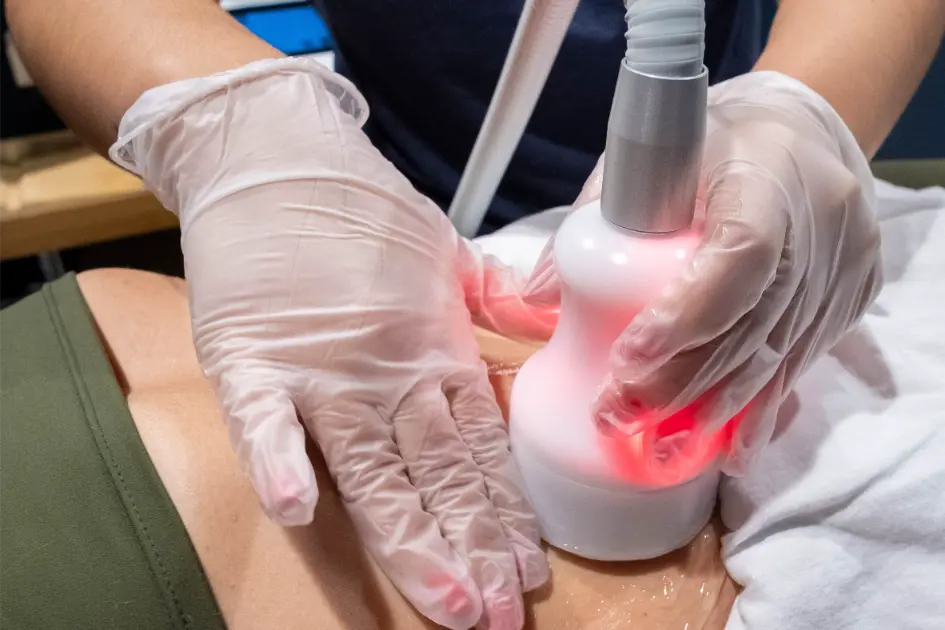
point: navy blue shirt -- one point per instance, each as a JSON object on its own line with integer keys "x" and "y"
{"x": 428, "y": 69}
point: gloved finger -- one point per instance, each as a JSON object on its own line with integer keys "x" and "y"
{"x": 542, "y": 287}
{"x": 269, "y": 441}
{"x": 750, "y": 399}
{"x": 786, "y": 346}
{"x": 735, "y": 418}
{"x": 758, "y": 419}
{"x": 494, "y": 297}
{"x": 754, "y": 425}
{"x": 850, "y": 302}
{"x": 632, "y": 400}
{"x": 756, "y": 388}
{"x": 592, "y": 185}
{"x": 452, "y": 489}
{"x": 480, "y": 423}
{"x": 403, "y": 538}
{"x": 745, "y": 236}
{"x": 736, "y": 392}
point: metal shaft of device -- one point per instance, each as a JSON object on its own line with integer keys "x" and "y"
{"x": 656, "y": 132}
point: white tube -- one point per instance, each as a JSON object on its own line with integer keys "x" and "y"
{"x": 538, "y": 36}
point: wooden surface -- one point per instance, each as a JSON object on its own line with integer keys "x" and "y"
{"x": 55, "y": 195}
{"x": 65, "y": 197}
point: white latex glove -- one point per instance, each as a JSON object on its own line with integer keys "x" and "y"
{"x": 326, "y": 293}
{"x": 789, "y": 262}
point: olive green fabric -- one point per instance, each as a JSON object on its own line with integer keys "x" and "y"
{"x": 89, "y": 537}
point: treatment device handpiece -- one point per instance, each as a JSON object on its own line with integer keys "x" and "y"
{"x": 601, "y": 494}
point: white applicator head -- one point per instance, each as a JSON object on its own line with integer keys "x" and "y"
{"x": 599, "y": 493}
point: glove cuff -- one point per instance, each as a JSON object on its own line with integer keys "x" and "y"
{"x": 159, "y": 106}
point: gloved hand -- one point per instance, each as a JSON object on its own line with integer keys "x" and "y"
{"x": 789, "y": 262}
{"x": 326, "y": 293}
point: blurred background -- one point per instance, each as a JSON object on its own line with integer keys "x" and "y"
{"x": 63, "y": 209}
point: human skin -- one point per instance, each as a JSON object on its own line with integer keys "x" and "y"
{"x": 319, "y": 576}
{"x": 865, "y": 57}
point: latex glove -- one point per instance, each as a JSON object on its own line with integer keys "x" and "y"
{"x": 789, "y": 262}
{"x": 326, "y": 293}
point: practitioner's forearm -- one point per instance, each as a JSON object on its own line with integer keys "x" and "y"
{"x": 93, "y": 58}
{"x": 866, "y": 57}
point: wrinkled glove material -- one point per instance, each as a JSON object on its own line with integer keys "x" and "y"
{"x": 327, "y": 295}
{"x": 789, "y": 262}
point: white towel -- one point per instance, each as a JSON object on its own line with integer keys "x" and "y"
{"x": 841, "y": 523}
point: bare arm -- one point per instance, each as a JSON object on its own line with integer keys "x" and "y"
{"x": 866, "y": 57}
{"x": 93, "y": 58}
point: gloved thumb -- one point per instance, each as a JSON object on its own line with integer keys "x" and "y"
{"x": 542, "y": 288}
{"x": 269, "y": 441}
{"x": 495, "y": 300}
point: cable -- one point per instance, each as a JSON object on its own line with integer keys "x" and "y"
{"x": 538, "y": 36}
